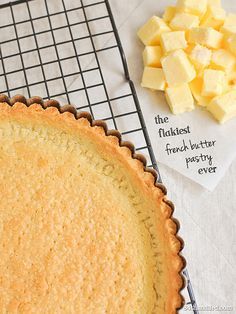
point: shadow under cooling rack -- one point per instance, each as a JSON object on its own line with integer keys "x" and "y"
{"x": 71, "y": 51}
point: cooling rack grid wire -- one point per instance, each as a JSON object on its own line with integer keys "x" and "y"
{"x": 71, "y": 51}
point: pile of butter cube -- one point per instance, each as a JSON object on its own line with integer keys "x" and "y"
{"x": 190, "y": 53}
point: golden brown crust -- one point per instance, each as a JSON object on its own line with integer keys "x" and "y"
{"x": 136, "y": 165}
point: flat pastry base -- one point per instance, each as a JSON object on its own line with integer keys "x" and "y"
{"x": 83, "y": 227}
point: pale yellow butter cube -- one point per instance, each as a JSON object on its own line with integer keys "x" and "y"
{"x": 223, "y": 60}
{"x": 184, "y": 21}
{"x": 197, "y": 7}
{"x": 180, "y": 98}
{"x": 231, "y": 80}
{"x": 153, "y": 78}
{"x": 189, "y": 49}
{"x": 231, "y": 43}
{"x": 215, "y": 2}
{"x": 204, "y": 101}
{"x": 173, "y": 40}
{"x": 206, "y": 36}
{"x": 213, "y": 82}
{"x": 214, "y": 17}
{"x": 169, "y": 13}
{"x": 152, "y": 56}
{"x": 177, "y": 68}
{"x": 223, "y": 107}
{"x": 196, "y": 89}
{"x": 229, "y": 26}
{"x": 150, "y": 33}
{"x": 200, "y": 57}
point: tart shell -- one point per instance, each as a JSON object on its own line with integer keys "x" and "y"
{"x": 149, "y": 175}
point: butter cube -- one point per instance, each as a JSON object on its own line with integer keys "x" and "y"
{"x": 177, "y": 68}
{"x": 152, "y": 56}
{"x": 169, "y": 14}
{"x": 229, "y": 26}
{"x": 180, "y": 98}
{"x": 215, "y": 2}
{"x": 223, "y": 107}
{"x": 204, "y": 101}
{"x": 197, "y": 7}
{"x": 173, "y": 40}
{"x": 231, "y": 43}
{"x": 231, "y": 80}
{"x": 214, "y": 17}
{"x": 213, "y": 83}
{"x": 184, "y": 21}
{"x": 206, "y": 36}
{"x": 150, "y": 33}
{"x": 189, "y": 49}
{"x": 196, "y": 89}
{"x": 153, "y": 78}
{"x": 200, "y": 57}
{"x": 223, "y": 60}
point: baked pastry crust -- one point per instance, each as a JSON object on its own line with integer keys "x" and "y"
{"x": 138, "y": 245}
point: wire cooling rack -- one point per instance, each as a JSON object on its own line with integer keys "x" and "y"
{"x": 71, "y": 51}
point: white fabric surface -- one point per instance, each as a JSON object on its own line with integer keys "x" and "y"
{"x": 208, "y": 219}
